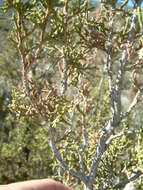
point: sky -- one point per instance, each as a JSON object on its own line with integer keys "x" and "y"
{"x": 130, "y": 3}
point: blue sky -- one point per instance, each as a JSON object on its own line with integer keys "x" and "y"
{"x": 130, "y": 3}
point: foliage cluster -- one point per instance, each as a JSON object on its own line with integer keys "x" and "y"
{"x": 77, "y": 62}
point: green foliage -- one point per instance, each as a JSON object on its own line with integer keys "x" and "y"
{"x": 65, "y": 47}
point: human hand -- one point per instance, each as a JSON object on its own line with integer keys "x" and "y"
{"x": 41, "y": 184}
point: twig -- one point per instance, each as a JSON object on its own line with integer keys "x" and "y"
{"x": 122, "y": 184}
{"x": 65, "y": 61}
{"x": 42, "y": 36}
{"x": 124, "y": 4}
{"x": 57, "y": 154}
{"x": 107, "y": 131}
{"x": 133, "y": 104}
{"x": 83, "y": 145}
{"x": 119, "y": 135}
{"x": 115, "y": 97}
{"x": 64, "y": 76}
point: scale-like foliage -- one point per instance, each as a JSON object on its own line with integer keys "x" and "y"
{"x": 77, "y": 62}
